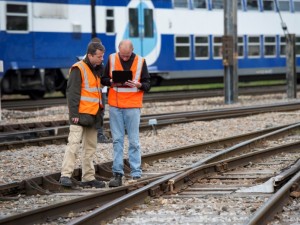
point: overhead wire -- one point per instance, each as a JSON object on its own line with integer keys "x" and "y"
{"x": 283, "y": 24}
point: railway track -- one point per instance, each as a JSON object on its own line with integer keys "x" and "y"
{"x": 225, "y": 167}
{"x": 42, "y": 185}
{"x": 30, "y": 105}
{"x": 56, "y": 132}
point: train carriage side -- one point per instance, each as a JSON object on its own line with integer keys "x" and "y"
{"x": 264, "y": 39}
{"x": 181, "y": 40}
{"x": 191, "y": 47}
{"x": 39, "y": 42}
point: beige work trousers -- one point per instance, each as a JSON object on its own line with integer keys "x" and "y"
{"x": 88, "y": 135}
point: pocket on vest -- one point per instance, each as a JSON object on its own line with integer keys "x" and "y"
{"x": 87, "y": 120}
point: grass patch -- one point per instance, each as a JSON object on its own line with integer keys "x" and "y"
{"x": 215, "y": 85}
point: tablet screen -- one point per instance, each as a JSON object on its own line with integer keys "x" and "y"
{"x": 120, "y": 76}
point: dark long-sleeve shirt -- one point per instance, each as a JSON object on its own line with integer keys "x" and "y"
{"x": 145, "y": 77}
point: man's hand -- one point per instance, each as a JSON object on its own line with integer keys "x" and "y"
{"x": 133, "y": 83}
{"x": 75, "y": 120}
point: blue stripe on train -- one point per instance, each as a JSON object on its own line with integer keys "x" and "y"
{"x": 156, "y": 3}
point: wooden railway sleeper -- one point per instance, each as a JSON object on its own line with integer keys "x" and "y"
{"x": 221, "y": 167}
{"x": 156, "y": 191}
{"x": 41, "y": 144}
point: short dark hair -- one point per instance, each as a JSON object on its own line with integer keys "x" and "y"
{"x": 93, "y": 47}
{"x": 96, "y": 39}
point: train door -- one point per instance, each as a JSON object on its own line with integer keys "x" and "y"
{"x": 141, "y": 28}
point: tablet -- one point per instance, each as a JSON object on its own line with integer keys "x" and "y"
{"x": 120, "y": 76}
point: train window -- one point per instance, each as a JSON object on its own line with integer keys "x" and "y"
{"x": 252, "y": 5}
{"x": 201, "y": 47}
{"x": 240, "y": 47}
{"x": 284, "y": 5}
{"x": 148, "y": 20}
{"x": 217, "y": 4}
{"x": 200, "y": 4}
{"x": 16, "y": 17}
{"x": 270, "y": 46}
{"x": 133, "y": 22}
{"x": 297, "y": 43}
{"x": 253, "y": 46}
{"x": 182, "y": 47}
{"x": 110, "y": 24}
{"x": 268, "y": 5}
{"x": 217, "y": 43}
{"x": 296, "y": 6}
{"x": 12, "y": 8}
{"x": 282, "y": 46}
{"x": 181, "y": 3}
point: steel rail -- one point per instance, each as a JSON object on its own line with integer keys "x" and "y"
{"x": 44, "y": 184}
{"x": 39, "y": 185}
{"x": 180, "y": 180}
{"x": 275, "y": 203}
{"x": 161, "y": 121}
{"x": 171, "y": 182}
{"x": 223, "y": 165}
{"x": 30, "y": 105}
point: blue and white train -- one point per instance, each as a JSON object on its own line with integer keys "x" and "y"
{"x": 180, "y": 39}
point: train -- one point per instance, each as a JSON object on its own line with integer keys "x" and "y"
{"x": 181, "y": 40}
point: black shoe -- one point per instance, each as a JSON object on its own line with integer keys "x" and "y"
{"x": 135, "y": 178}
{"x": 66, "y": 181}
{"x": 93, "y": 183}
{"x": 116, "y": 181}
{"x": 103, "y": 139}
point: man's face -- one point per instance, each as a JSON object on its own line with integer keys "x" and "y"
{"x": 125, "y": 53}
{"x": 97, "y": 58}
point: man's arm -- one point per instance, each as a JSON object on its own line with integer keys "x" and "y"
{"x": 105, "y": 79}
{"x": 145, "y": 78}
{"x": 74, "y": 92}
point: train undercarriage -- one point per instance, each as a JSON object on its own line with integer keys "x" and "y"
{"x": 33, "y": 82}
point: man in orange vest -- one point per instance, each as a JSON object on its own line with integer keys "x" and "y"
{"x": 85, "y": 107}
{"x": 125, "y": 103}
{"x": 101, "y": 137}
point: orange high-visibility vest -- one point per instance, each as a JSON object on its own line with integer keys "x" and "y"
{"x": 91, "y": 98}
{"x": 126, "y": 97}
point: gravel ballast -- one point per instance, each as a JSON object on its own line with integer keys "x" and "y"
{"x": 19, "y": 164}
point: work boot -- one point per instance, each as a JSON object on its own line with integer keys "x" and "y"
{"x": 66, "y": 181}
{"x": 116, "y": 181}
{"x": 93, "y": 183}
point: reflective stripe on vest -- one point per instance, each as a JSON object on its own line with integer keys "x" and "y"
{"x": 126, "y": 97}
{"x": 136, "y": 77}
{"x": 90, "y": 98}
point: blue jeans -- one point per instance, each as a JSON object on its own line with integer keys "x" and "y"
{"x": 129, "y": 119}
